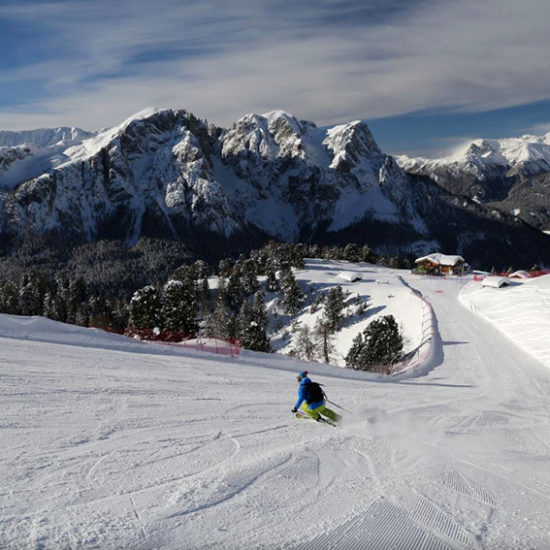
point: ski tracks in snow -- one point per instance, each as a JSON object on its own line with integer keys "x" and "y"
{"x": 182, "y": 452}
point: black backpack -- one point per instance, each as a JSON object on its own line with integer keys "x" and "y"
{"x": 314, "y": 393}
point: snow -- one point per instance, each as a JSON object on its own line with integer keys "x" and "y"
{"x": 352, "y": 206}
{"x": 37, "y": 151}
{"x": 104, "y": 447}
{"x": 494, "y": 281}
{"x": 520, "y": 274}
{"x": 482, "y": 153}
{"x": 521, "y": 311}
{"x": 393, "y": 298}
{"x": 91, "y": 146}
{"x": 350, "y": 276}
{"x": 442, "y": 259}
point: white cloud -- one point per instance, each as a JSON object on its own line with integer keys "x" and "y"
{"x": 538, "y": 129}
{"x": 237, "y": 57}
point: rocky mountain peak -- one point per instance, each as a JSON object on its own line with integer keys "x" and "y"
{"x": 351, "y": 144}
{"x": 166, "y": 173}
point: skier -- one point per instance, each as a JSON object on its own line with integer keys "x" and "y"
{"x": 312, "y": 399}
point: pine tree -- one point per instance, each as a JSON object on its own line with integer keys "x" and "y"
{"x": 249, "y": 279}
{"x": 305, "y": 346}
{"x": 261, "y": 341}
{"x": 145, "y": 308}
{"x": 100, "y": 312}
{"x": 204, "y": 298}
{"x": 252, "y": 322}
{"x": 323, "y": 340}
{"x": 82, "y": 316}
{"x": 367, "y": 254}
{"x": 120, "y": 314}
{"x": 352, "y": 253}
{"x": 179, "y": 306}
{"x": 224, "y": 267}
{"x": 334, "y": 305}
{"x": 9, "y": 298}
{"x": 173, "y": 296}
{"x": 30, "y": 301}
{"x": 235, "y": 290}
{"x": 352, "y": 358}
{"x": 76, "y": 299}
{"x": 271, "y": 284}
{"x": 245, "y": 322}
{"x": 199, "y": 270}
{"x": 223, "y": 320}
{"x": 51, "y": 306}
{"x": 292, "y": 295}
{"x": 62, "y": 292}
{"x": 381, "y": 346}
{"x": 208, "y": 328}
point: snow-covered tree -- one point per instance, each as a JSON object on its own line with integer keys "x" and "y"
{"x": 224, "y": 267}
{"x": 30, "y": 301}
{"x": 249, "y": 278}
{"x": 204, "y": 297}
{"x": 324, "y": 340}
{"x": 292, "y": 295}
{"x": 145, "y": 308}
{"x": 235, "y": 290}
{"x": 334, "y": 304}
{"x": 352, "y": 358}
{"x": 382, "y": 345}
{"x": 271, "y": 283}
{"x": 252, "y": 322}
{"x": 223, "y": 319}
{"x": 179, "y": 306}
{"x": 76, "y": 299}
{"x": 304, "y": 344}
{"x": 367, "y": 254}
{"x": 352, "y": 253}
{"x": 9, "y": 298}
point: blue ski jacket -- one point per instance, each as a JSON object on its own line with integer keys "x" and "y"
{"x": 302, "y": 395}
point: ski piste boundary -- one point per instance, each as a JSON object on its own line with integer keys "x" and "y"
{"x": 320, "y": 419}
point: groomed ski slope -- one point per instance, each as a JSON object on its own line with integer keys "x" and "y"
{"x": 141, "y": 448}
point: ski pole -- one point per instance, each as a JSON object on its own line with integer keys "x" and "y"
{"x": 339, "y": 406}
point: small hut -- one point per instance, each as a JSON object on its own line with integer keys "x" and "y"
{"x": 438, "y": 263}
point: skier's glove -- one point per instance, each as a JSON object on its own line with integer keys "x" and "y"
{"x": 294, "y": 410}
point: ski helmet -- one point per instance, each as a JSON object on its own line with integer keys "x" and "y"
{"x": 302, "y": 375}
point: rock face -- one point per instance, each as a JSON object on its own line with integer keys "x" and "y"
{"x": 170, "y": 175}
{"x": 510, "y": 174}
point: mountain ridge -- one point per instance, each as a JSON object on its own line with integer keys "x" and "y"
{"x": 512, "y": 174}
{"x": 168, "y": 174}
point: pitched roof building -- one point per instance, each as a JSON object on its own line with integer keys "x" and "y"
{"x": 442, "y": 263}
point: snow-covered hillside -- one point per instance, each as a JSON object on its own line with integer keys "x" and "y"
{"x": 103, "y": 447}
{"x": 381, "y": 290}
{"x": 520, "y": 309}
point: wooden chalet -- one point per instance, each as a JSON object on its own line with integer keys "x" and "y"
{"x": 442, "y": 264}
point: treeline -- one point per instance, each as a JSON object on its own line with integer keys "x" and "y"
{"x": 61, "y": 299}
{"x": 234, "y": 309}
{"x": 109, "y": 266}
{"x": 184, "y": 301}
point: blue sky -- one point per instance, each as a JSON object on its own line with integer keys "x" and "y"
{"x": 427, "y": 75}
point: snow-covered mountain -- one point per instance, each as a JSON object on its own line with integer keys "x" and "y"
{"x": 29, "y": 153}
{"x": 512, "y": 174}
{"x": 165, "y": 173}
